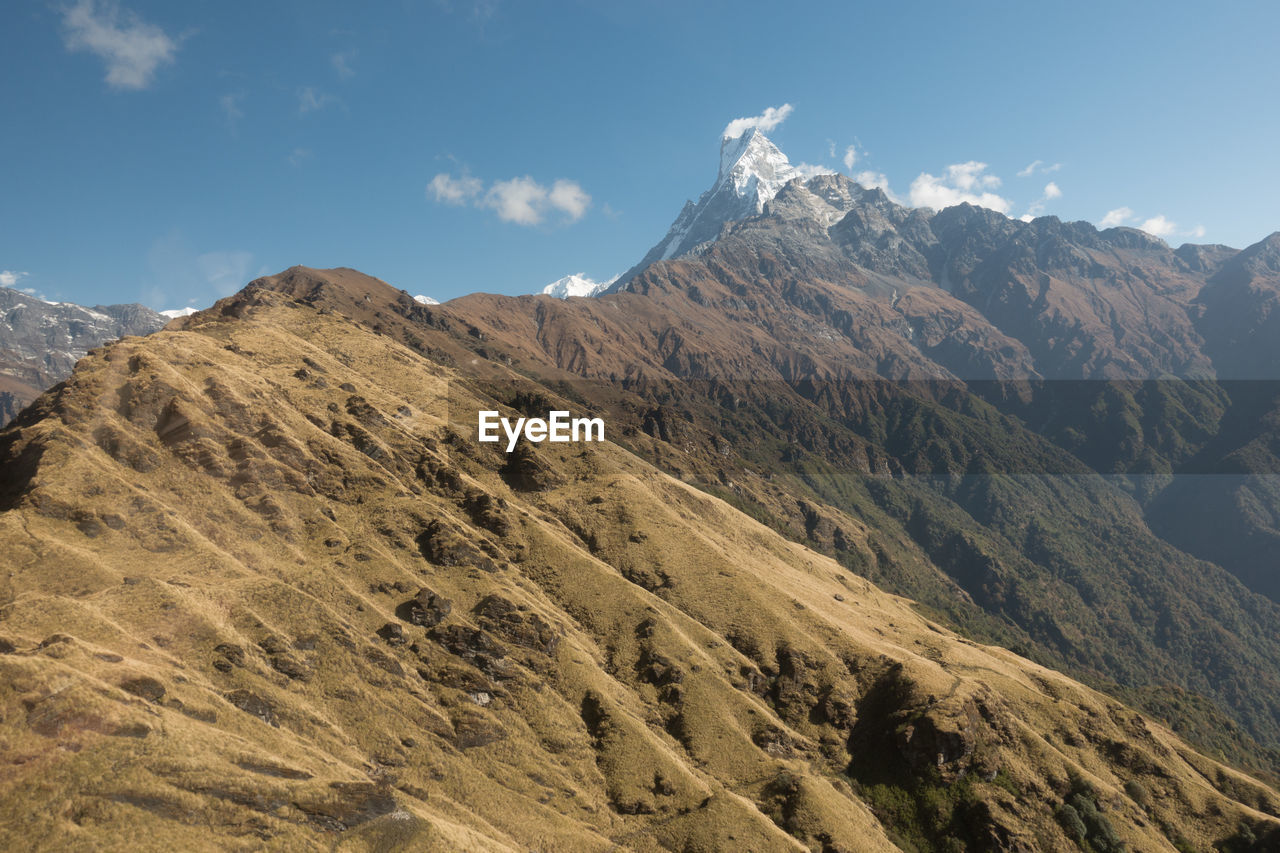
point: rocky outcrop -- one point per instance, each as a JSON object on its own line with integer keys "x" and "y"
{"x": 41, "y": 341}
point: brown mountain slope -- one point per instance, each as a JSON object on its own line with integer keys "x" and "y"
{"x": 1007, "y": 535}
{"x": 262, "y": 587}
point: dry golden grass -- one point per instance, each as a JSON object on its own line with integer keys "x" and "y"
{"x": 212, "y": 530}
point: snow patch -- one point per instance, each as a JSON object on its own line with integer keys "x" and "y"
{"x": 100, "y": 317}
{"x": 425, "y": 300}
{"x": 576, "y": 284}
{"x": 755, "y": 167}
{"x": 173, "y": 313}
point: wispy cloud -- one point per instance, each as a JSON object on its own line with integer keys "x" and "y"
{"x": 1038, "y": 166}
{"x": 341, "y": 62}
{"x": 225, "y": 272}
{"x": 960, "y": 183}
{"x": 850, "y": 157}
{"x": 9, "y": 278}
{"x": 765, "y": 122}
{"x": 311, "y": 99}
{"x": 477, "y": 12}
{"x": 809, "y": 170}
{"x": 230, "y": 105}
{"x": 1051, "y": 192}
{"x": 872, "y": 180}
{"x": 521, "y": 200}
{"x": 298, "y": 156}
{"x": 181, "y": 274}
{"x": 1157, "y": 226}
{"x": 131, "y": 48}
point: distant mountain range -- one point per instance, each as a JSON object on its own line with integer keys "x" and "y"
{"x": 261, "y": 568}
{"x": 836, "y": 336}
{"x": 576, "y": 285}
{"x": 41, "y": 341}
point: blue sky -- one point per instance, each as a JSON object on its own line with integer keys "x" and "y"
{"x": 169, "y": 152}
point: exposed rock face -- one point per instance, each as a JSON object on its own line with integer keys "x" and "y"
{"x": 1076, "y": 302}
{"x": 426, "y": 609}
{"x": 769, "y": 344}
{"x": 40, "y": 342}
{"x": 1081, "y": 303}
{"x": 752, "y": 170}
{"x": 1241, "y": 319}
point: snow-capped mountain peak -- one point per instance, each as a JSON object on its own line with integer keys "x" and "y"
{"x": 752, "y": 171}
{"x": 754, "y": 167}
{"x": 576, "y": 284}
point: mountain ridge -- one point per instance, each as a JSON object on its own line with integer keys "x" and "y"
{"x": 752, "y": 170}
{"x": 803, "y": 441}
{"x": 292, "y": 612}
{"x": 268, "y": 526}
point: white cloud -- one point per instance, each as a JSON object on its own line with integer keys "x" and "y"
{"x": 809, "y": 170}
{"x": 766, "y": 121}
{"x": 131, "y": 48}
{"x": 310, "y": 100}
{"x": 569, "y": 197}
{"x": 850, "y": 157}
{"x": 971, "y": 175}
{"x": 341, "y": 62}
{"x": 1038, "y": 166}
{"x": 872, "y": 180}
{"x": 1119, "y": 216}
{"x": 450, "y": 190}
{"x": 8, "y": 278}
{"x": 876, "y": 181}
{"x": 1159, "y": 226}
{"x": 831, "y": 148}
{"x": 298, "y": 156}
{"x": 519, "y": 200}
{"x": 963, "y": 182}
{"x": 523, "y": 201}
{"x": 1051, "y": 191}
